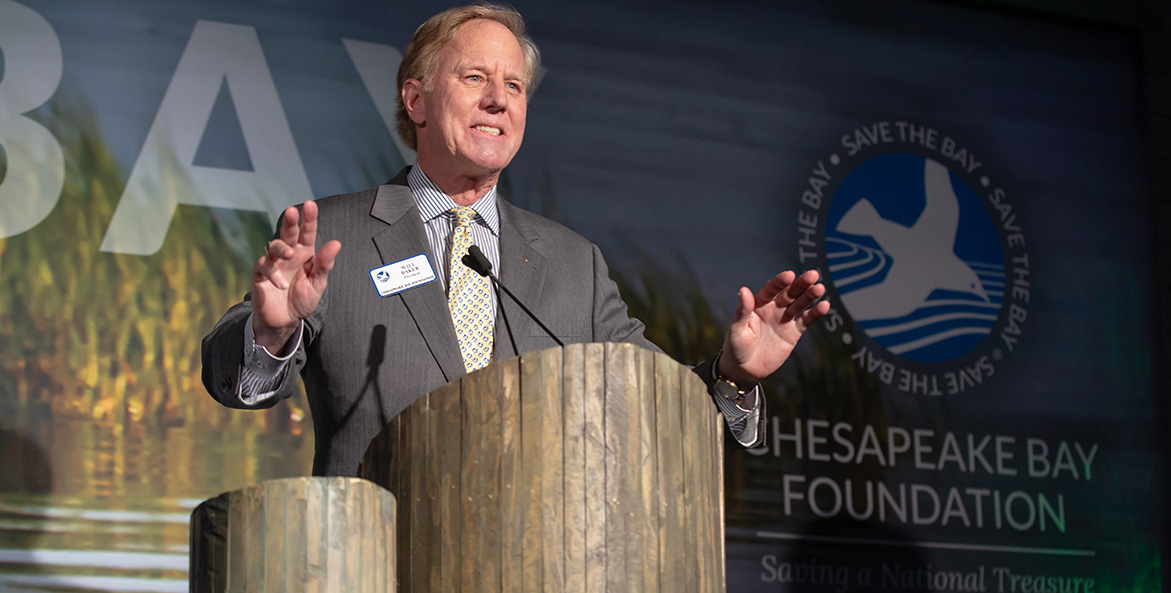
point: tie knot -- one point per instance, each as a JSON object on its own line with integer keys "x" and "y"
{"x": 464, "y": 215}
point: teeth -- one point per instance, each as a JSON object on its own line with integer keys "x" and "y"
{"x": 489, "y": 130}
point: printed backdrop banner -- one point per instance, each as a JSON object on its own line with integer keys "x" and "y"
{"x": 978, "y": 412}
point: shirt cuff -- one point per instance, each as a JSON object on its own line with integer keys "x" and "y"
{"x": 742, "y": 417}
{"x": 263, "y": 372}
{"x": 743, "y": 423}
{"x": 259, "y": 360}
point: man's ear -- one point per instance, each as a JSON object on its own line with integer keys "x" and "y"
{"x": 413, "y": 100}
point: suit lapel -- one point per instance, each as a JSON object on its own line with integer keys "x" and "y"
{"x": 522, "y": 270}
{"x": 405, "y": 237}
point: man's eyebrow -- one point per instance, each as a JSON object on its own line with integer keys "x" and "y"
{"x": 459, "y": 66}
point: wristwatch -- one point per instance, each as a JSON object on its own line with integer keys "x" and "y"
{"x": 725, "y": 386}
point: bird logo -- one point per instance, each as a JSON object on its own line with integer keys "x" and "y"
{"x": 915, "y": 258}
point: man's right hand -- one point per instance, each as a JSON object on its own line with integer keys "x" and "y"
{"x": 289, "y": 279}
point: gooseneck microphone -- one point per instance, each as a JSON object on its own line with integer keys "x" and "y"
{"x": 478, "y": 262}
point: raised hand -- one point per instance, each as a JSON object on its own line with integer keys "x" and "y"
{"x": 767, "y": 325}
{"x": 289, "y": 279}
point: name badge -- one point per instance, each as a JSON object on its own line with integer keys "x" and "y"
{"x": 401, "y": 275}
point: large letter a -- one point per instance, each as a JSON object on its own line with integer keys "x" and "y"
{"x": 164, "y": 174}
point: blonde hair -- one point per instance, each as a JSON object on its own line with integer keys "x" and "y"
{"x": 430, "y": 38}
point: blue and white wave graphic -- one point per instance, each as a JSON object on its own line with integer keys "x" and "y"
{"x": 947, "y": 325}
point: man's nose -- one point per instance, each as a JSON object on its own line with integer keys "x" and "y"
{"x": 495, "y": 96}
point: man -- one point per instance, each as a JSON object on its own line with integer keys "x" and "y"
{"x": 368, "y": 340}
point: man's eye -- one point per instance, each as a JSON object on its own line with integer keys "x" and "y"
{"x": 514, "y": 86}
{"x": 473, "y": 78}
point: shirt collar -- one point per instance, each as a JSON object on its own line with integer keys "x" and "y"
{"x": 433, "y": 202}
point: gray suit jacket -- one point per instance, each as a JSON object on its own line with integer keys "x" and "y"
{"x": 365, "y": 358}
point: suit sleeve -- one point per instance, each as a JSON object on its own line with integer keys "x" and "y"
{"x": 223, "y": 357}
{"x": 613, "y": 323}
{"x": 222, "y": 354}
{"x": 611, "y": 319}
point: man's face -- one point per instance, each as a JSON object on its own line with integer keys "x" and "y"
{"x": 473, "y": 109}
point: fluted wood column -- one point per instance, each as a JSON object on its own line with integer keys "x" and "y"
{"x": 594, "y": 467}
{"x": 329, "y": 535}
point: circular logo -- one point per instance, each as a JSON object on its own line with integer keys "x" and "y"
{"x": 382, "y": 276}
{"x": 922, "y": 256}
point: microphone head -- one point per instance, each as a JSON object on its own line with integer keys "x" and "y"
{"x": 477, "y": 261}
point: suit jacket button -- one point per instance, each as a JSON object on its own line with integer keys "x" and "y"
{"x": 226, "y": 383}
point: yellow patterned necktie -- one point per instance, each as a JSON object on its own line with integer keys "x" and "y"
{"x": 468, "y": 297}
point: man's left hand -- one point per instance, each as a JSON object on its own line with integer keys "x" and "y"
{"x": 767, "y": 325}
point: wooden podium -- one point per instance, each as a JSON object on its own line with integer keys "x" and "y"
{"x": 295, "y": 535}
{"x": 588, "y": 468}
